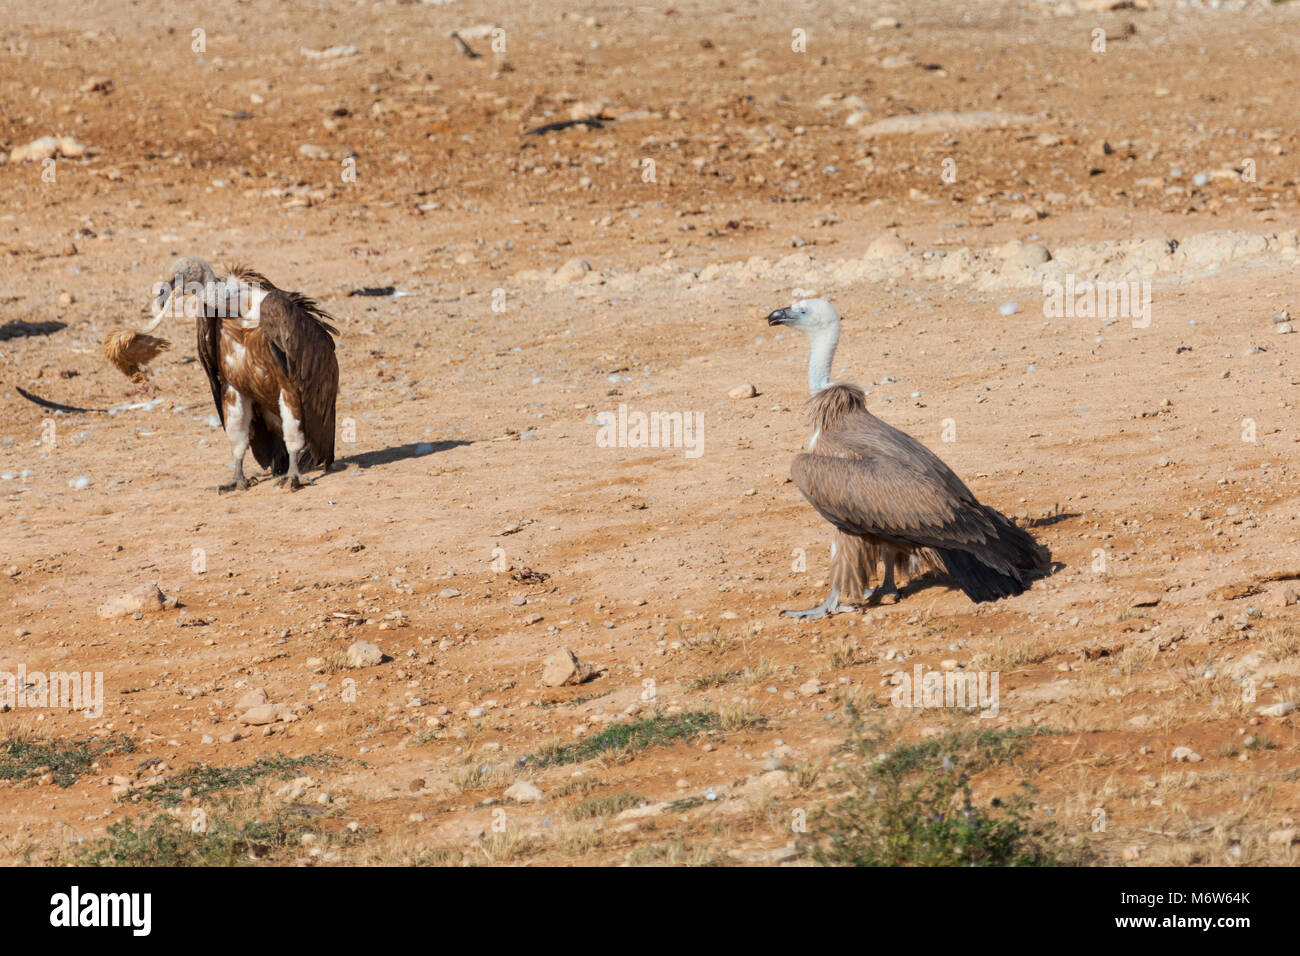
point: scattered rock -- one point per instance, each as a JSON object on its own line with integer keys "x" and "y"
{"x": 945, "y": 122}
{"x": 329, "y": 53}
{"x": 254, "y": 698}
{"x": 569, "y": 273}
{"x": 811, "y": 688}
{"x": 1185, "y": 755}
{"x": 1286, "y": 596}
{"x": 1031, "y": 255}
{"x": 146, "y": 599}
{"x": 260, "y": 715}
{"x": 743, "y": 391}
{"x": 898, "y": 61}
{"x": 521, "y": 791}
{"x": 1276, "y": 710}
{"x": 364, "y": 654}
{"x": 638, "y": 813}
{"x": 563, "y": 668}
{"x": 887, "y": 247}
{"x": 47, "y": 147}
{"x": 1219, "y": 245}
{"x": 1022, "y": 212}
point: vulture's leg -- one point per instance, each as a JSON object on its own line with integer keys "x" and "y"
{"x": 831, "y": 605}
{"x": 294, "y": 440}
{"x": 887, "y": 587}
{"x": 239, "y": 420}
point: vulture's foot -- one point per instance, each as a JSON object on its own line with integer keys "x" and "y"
{"x": 239, "y": 484}
{"x": 828, "y": 607}
{"x": 293, "y": 482}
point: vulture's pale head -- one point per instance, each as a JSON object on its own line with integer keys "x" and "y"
{"x": 812, "y": 317}
{"x": 188, "y": 275}
{"x": 818, "y": 320}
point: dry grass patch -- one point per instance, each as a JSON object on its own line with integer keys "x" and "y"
{"x": 1009, "y": 655}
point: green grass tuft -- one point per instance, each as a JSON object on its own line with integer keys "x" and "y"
{"x": 227, "y": 841}
{"x": 913, "y": 806}
{"x": 23, "y": 757}
{"x": 619, "y": 741}
{"x": 202, "y": 780}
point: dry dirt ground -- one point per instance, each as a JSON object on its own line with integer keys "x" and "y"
{"x": 1157, "y": 462}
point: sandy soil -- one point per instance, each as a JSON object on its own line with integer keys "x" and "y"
{"x": 473, "y": 456}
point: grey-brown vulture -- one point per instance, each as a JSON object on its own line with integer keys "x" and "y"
{"x": 889, "y": 497}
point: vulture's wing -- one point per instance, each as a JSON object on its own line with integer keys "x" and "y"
{"x": 891, "y": 499}
{"x": 209, "y": 349}
{"x": 302, "y": 341}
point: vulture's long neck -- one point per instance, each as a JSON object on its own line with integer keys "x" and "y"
{"x": 820, "y": 356}
{"x": 213, "y": 299}
{"x": 210, "y": 289}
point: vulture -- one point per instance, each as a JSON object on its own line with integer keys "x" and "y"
{"x": 270, "y": 363}
{"x": 889, "y": 497}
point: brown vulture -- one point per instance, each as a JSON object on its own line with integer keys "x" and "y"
{"x": 889, "y": 497}
{"x": 269, "y": 358}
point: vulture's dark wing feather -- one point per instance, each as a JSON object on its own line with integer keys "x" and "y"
{"x": 871, "y": 480}
{"x": 302, "y": 338}
{"x": 209, "y": 347}
{"x": 886, "y": 498}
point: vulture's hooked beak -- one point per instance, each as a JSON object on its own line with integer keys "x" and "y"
{"x": 165, "y": 293}
{"x": 162, "y": 304}
{"x": 779, "y": 317}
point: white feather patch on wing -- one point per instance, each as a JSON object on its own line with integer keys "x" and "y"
{"x": 235, "y": 356}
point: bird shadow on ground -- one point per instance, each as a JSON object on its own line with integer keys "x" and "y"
{"x": 57, "y": 406}
{"x": 19, "y": 329}
{"x": 923, "y": 582}
{"x": 414, "y": 449}
{"x": 1051, "y": 519}
{"x": 934, "y": 579}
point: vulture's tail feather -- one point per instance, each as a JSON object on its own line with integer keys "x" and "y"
{"x": 1003, "y": 568}
{"x": 268, "y": 447}
{"x": 977, "y": 579}
{"x": 1017, "y": 546}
